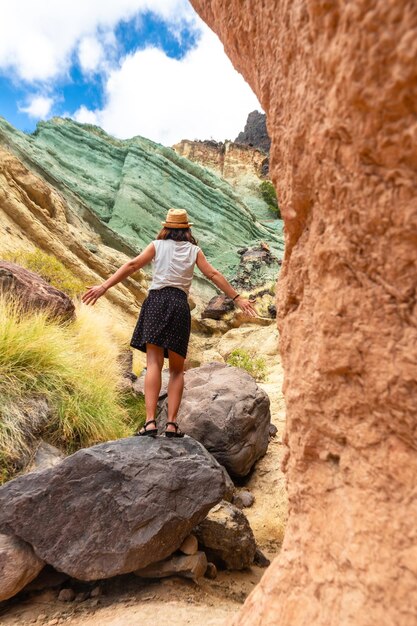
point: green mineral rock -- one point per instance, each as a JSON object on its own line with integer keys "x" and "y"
{"x": 130, "y": 184}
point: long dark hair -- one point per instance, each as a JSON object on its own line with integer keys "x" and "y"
{"x": 177, "y": 234}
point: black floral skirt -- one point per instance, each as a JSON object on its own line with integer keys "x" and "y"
{"x": 164, "y": 320}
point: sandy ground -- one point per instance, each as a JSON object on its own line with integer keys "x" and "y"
{"x": 130, "y": 601}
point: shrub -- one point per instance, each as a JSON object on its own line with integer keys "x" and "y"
{"x": 74, "y": 367}
{"x": 269, "y": 195}
{"x": 255, "y": 366}
{"x": 49, "y": 267}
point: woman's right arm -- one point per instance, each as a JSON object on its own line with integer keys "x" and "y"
{"x": 222, "y": 283}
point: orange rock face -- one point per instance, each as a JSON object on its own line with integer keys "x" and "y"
{"x": 338, "y": 82}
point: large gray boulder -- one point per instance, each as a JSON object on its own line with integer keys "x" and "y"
{"x": 18, "y": 565}
{"x": 224, "y": 409}
{"x": 113, "y": 508}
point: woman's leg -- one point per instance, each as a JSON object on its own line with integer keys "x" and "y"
{"x": 175, "y": 386}
{"x": 154, "y": 365}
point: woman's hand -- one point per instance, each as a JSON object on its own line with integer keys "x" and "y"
{"x": 93, "y": 294}
{"x": 246, "y": 306}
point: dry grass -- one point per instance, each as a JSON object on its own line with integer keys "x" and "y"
{"x": 74, "y": 367}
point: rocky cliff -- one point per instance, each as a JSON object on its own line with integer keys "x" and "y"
{"x": 33, "y": 214}
{"x": 243, "y": 167}
{"x": 124, "y": 188}
{"x": 255, "y": 132}
{"x": 339, "y": 89}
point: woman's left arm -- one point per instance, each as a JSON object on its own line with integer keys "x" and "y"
{"x": 93, "y": 294}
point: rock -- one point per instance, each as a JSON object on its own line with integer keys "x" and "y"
{"x": 211, "y": 571}
{"x": 273, "y": 431}
{"x": 66, "y": 595}
{"x": 272, "y": 310}
{"x": 336, "y": 80}
{"x": 224, "y": 409}
{"x": 139, "y": 384}
{"x": 189, "y": 545}
{"x": 95, "y": 592}
{"x": 35, "y": 413}
{"x": 190, "y": 566}
{"x": 35, "y": 215}
{"x": 109, "y": 194}
{"x": 243, "y": 166}
{"x": 257, "y": 266}
{"x": 250, "y": 339}
{"x": 115, "y": 507}
{"x": 45, "y": 456}
{"x": 125, "y": 359}
{"x": 243, "y": 499}
{"x": 260, "y": 559}
{"x": 33, "y": 292}
{"x": 255, "y": 133}
{"x": 18, "y": 565}
{"x": 217, "y": 307}
{"x": 227, "y": 537}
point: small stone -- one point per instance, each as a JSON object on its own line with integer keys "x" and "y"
{"x": 243, "y": 499}
{"x": 189, "y": 545}
{"x": 211, "y": 571}
{"x": 272, "y": 430}
{"x": 66, "y": 595}
{"x": 41, "y": 617}
{"x": 94, "y": 602}
{"x": 260, "y": 559}
{"x": 81, "y": 596}
{"x": 227, "y": 537}
{"x": 52, "y": 622}
{"x": 189, "y": 566}
{"x": 96, "y": 592}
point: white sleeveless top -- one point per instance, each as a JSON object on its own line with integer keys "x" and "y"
{"x": 173, "y": 264}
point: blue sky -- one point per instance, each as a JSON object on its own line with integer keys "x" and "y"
{"x": 132, "y": 67}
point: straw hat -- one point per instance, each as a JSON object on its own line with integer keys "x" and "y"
{"x": 177, "y": 218}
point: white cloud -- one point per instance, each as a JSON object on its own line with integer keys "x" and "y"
{"x": 84, "y": 116}
{"x": 39, "y": 107}
{"x": 38, "y": 38}
{"x": 90, "y": 54}
{"x": 200, "y": 96}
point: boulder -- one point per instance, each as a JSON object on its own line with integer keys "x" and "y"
{"x": 45, "y": 456}
{"x": 18, "y": 565}
{"x": 34, "y": 292}
{"x": 116, "y": 507}
{"x": 139, "y": 384}
{"x": 227, "y": 537}
{"x": 190, "y": 566}
{"x": 224, "y": 409}
{"x": 217, "y": 307}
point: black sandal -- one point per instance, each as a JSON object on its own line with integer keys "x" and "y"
{"x": 144, "y": 432}
{"x": 171, "y": 433}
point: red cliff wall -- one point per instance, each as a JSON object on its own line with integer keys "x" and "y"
{"x": 338, "y": 81}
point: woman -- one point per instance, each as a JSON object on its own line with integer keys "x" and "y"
{"x": 164, "y": 324}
